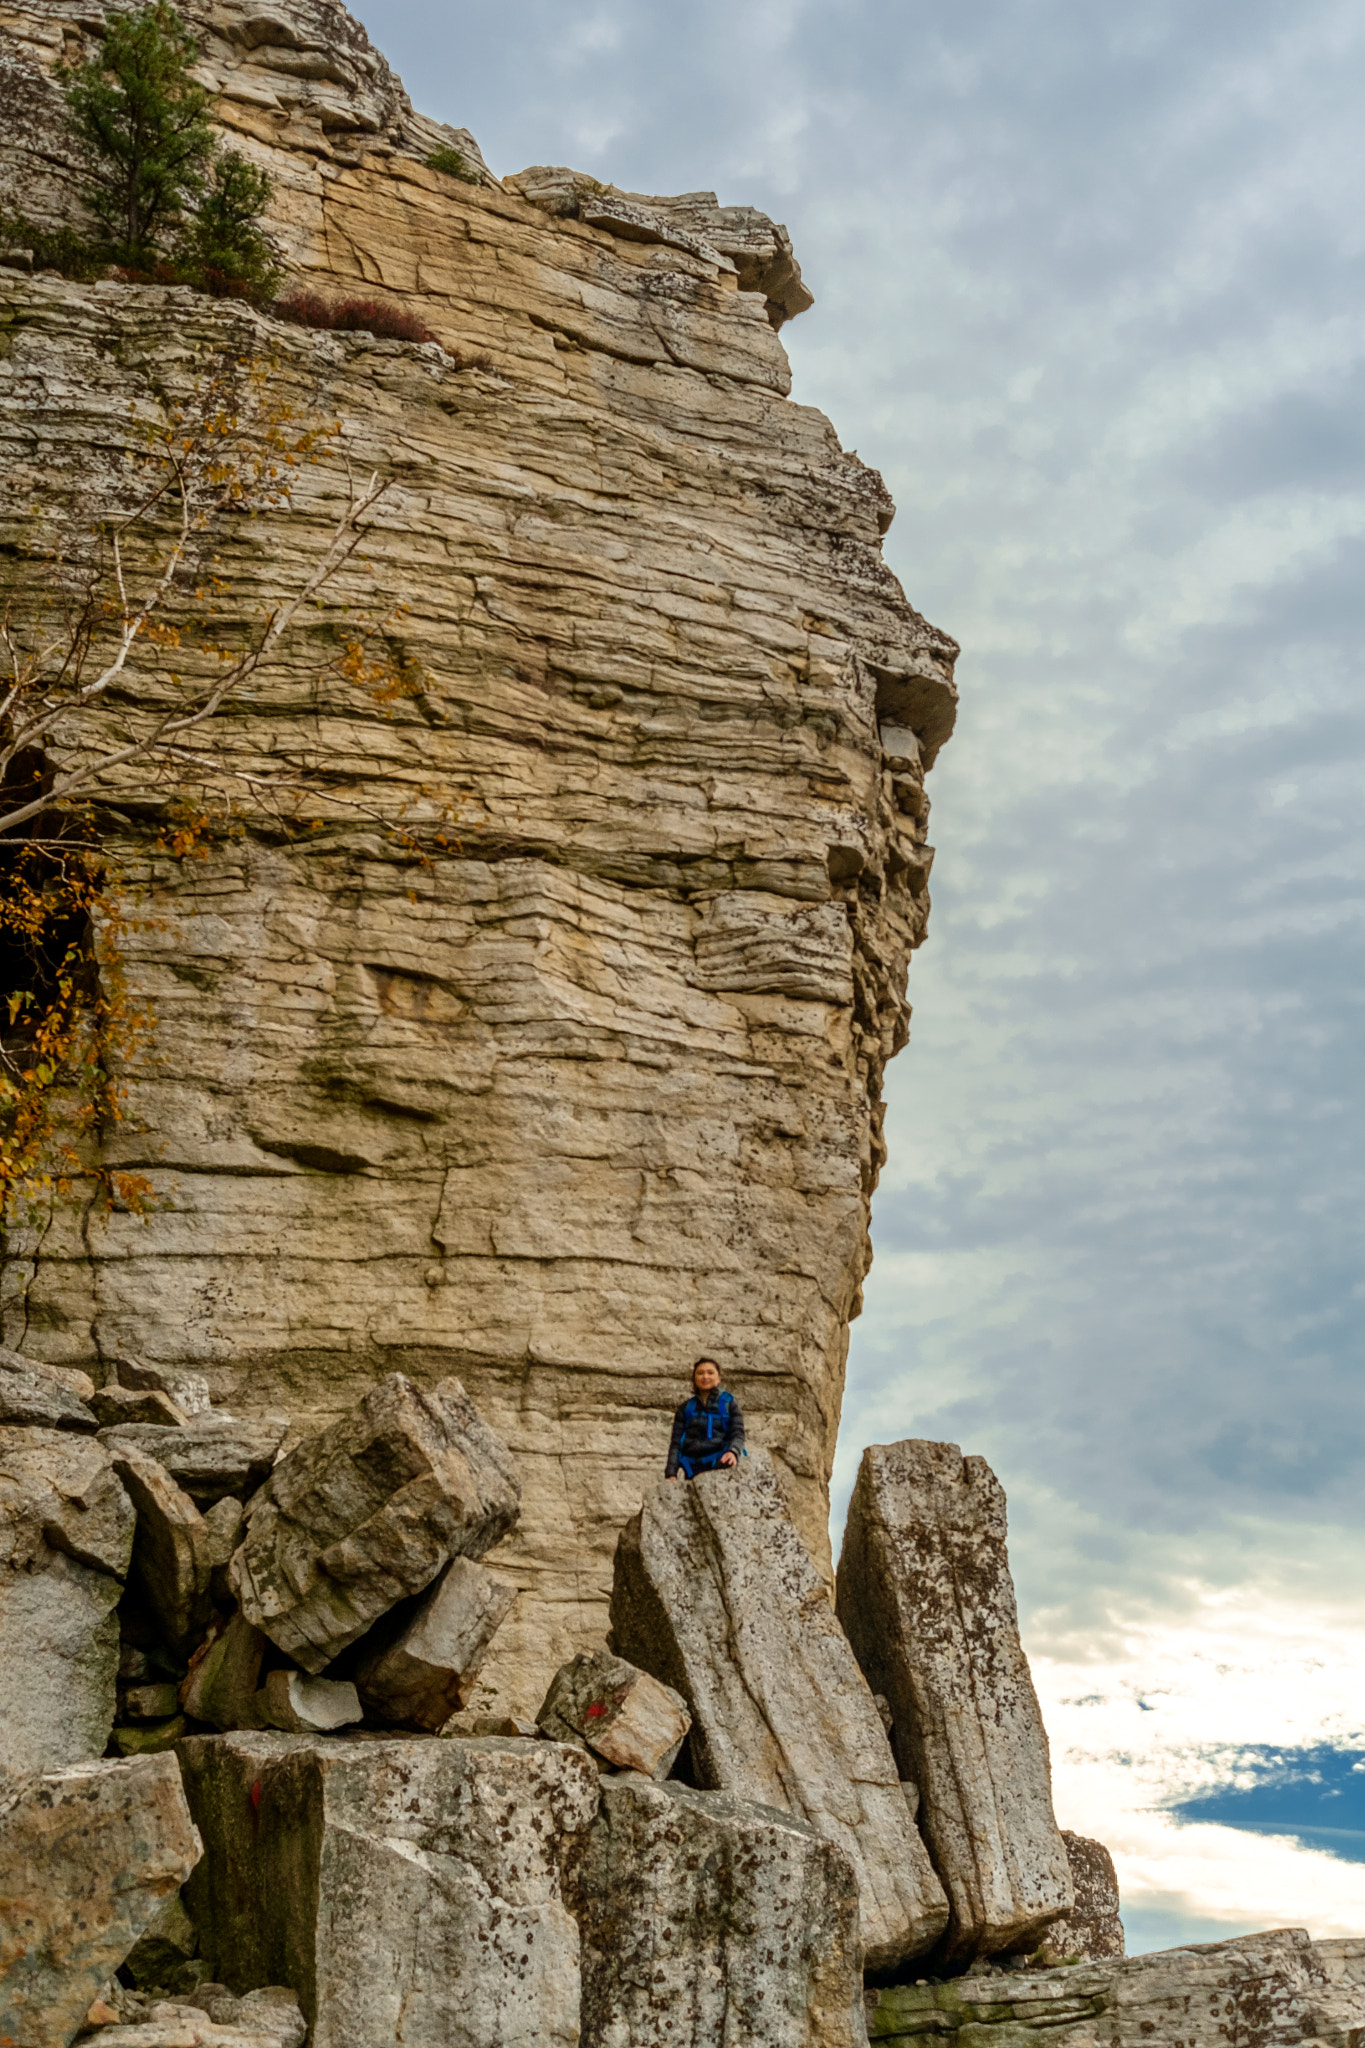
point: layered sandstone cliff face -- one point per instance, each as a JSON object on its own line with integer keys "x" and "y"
{"x": 597, "y": 1086}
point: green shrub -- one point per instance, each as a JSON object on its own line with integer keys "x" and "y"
{"x": 60, "y": 249}
{"x": 222, "y": 250}
{"x": 455, "y": 164}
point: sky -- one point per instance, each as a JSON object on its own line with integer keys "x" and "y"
{"x": 1090, "y": 290}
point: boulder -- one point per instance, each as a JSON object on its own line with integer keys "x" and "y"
{"x": 620, "y": 1712}
{"x": 188, "y": 1390}
{"x": 715, "y": 1595}
{"x": 364, "y": 1514}
{"x": 411, "y": 1890}
{"x": 172, "y": 1557}
{"x": 209, "y": 1456}
{"x": 425, "y": 1672}
{"x": 307, "y": 1706}
{"x": 87, "y": 1856}
{"x": 1092, "y": 1930}
{"x": 69, "y": 1376}
{"x": 1261, "y": 1990}
{"x": 224, "y": 1674}
{"x": 66, "y": 1535}
{"x": 36, "y": 1398}
{"x": 174, "y": 2025}
{"x": 927, "y": 1601}
{"x": 274, "y": 2008}
{"x": 113, "y": 1405}
{"x": 709, "y": 1922}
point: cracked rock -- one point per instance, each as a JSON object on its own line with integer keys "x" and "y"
{"x": 620, "y": 1712}
{"x": 425, "y": 1672}
{"x": 715, "y": 1595}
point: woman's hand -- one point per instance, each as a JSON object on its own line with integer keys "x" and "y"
{"x": 728, "y": 1459}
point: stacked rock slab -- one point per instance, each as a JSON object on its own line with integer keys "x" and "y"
{"x": 927, "y": 1601}
{"x": 87, "y": 1856}
{"x": 715, "y": 1595}
{"x": 360, "y": 1516}
{"x": 1276, "y": 1990}
{"x": 709, "y": 1922}
{"x": 410, "y": 1890}
{"x": 683, "y": 713}
{"x": 66, "y": 1536}
{"x": 1092, "y": 1931}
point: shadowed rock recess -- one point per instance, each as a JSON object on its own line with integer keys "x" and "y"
{"x": 596, "y": 1084}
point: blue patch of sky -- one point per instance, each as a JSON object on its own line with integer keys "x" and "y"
{"x": 1316, "y": 1795}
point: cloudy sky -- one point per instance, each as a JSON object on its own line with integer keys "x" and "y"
{"x": 1091, "y": 294}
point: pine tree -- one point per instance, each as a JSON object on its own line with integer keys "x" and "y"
{"x": 223, "y": 249}
{"x": 140, "y": 121}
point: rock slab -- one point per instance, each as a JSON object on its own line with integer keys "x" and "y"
{"x": 66, "y": 1535}
{"x": 1274, "y": 1990}
{"x": 1092, "y": 1930}
{"x": 711, "y": 1922}
{"x": 424, "y": 1674}
{"x": 715, "y": 1594}
{"x": 410, "y": 1891}
{"x": 927, "y": 1601}
{"x": 364, "y": 1514}
{"x": 87, "y": 1856}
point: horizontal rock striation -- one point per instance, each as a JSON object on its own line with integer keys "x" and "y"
{"x": 591, "y": 1079}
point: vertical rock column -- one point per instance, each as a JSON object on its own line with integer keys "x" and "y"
{"x": 926, "y": 1599}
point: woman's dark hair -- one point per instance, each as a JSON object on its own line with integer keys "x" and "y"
{"x": 705, "y": 1359}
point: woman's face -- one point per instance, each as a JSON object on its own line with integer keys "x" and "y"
{"x": 705, "y": 1377}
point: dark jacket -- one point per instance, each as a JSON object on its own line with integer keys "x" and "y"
{"x": 704, "y": 1428}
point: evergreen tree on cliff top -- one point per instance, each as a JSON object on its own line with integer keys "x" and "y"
{"x": 141, "y": 123}
{"x": 156, "y": 179}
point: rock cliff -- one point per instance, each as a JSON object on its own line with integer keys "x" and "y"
{"x": 597, "y": 1085}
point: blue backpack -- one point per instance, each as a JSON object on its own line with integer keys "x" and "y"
{"x": 717, "y": 1421}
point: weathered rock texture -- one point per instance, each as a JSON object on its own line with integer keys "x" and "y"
{"x": 1276, "y": 1990}
{"x": 357, "y": 1518}
{"x": 409, "y": 1890}
{"x": 600, "y": 1084}
{"x": 626, "y": 1717}
{"x": 927, "y": 1601}
{"x": 715, "y": 1595}
{"x": 709, "y": 1922}
{"x": 1092, "y": 1929}
{"x": 87, "y": 1856}
{"x": 66, "y": 1536}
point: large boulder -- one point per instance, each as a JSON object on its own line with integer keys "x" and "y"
{"x": 411, "y": 1890}
{"x": 355, "y": 1519}
{"x": 422, "y": 1673}
{"x": 30, "y": 1395}
{"x": 927, "y": 1601}
{"x": 66, "y": 1535}
{"x": 715, "y": 1594}
{"x": 1257, "y": 1991}
{"x": 710, "y": 1922}
{"x": 87, "y": 1856}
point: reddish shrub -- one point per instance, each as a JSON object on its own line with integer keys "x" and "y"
{"x": 353, "y": 316}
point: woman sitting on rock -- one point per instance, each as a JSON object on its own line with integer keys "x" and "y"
{"x": 708, "y": 1429}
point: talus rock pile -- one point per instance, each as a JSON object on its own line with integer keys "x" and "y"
{"x": 716, "y": 1595}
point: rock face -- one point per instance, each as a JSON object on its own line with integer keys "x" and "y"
{"x": 426, "y": 1672}
{"x": 357, "y": 1518}
{"x": 927, "y": 1601}
{"x": 1092, "y": 1929}
{"x": 708, "y": 1922}
{"x": 66, "y": 1535}
{"x": 1261, "y": 1991}
{"x": 87, "y": 1855}
{"x": 410, "y": 1890}
{"x": 623, "y": 1715}
{"x": 715, "y": 1595}
{"x": 683, "y": 713}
